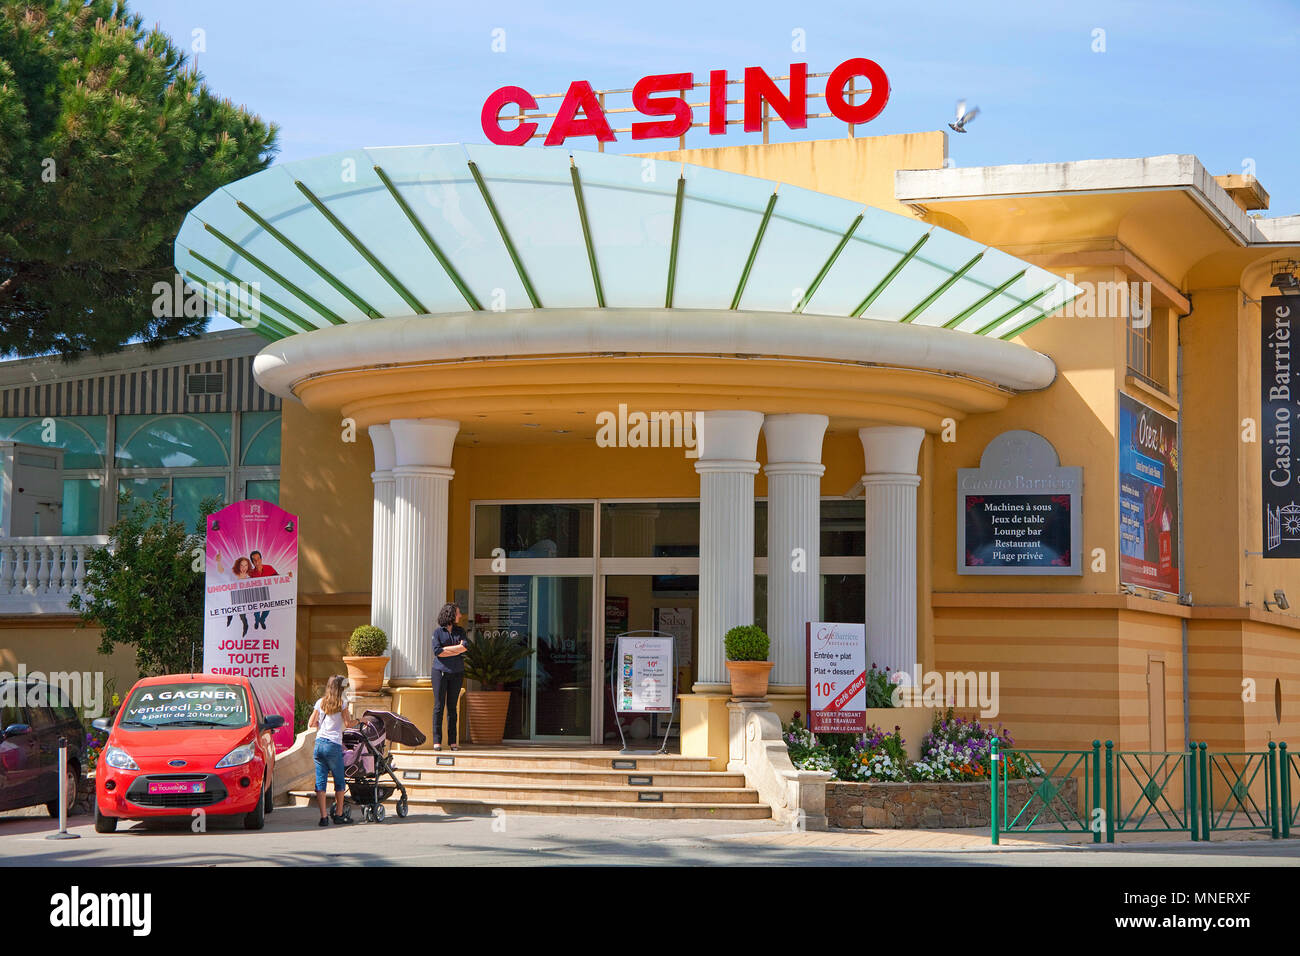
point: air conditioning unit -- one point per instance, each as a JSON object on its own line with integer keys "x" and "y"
{"x": 205, "y": 383}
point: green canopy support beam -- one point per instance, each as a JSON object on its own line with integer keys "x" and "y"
{"x": 677, "y": 234}
{"x": 753, "y": 252}
{"x": 812, "y": 288}
{"x": 586, "y": 232}
{"x": 889, "y": 277}
{"x": 943, "y": 287}
{"x": 984, "y": 300}
{"x": 325, "y": 312}
{"x": 267, "y": 328}
{"x": 310, "y": 263}
{"x": 434, "y": 248}
{"x": 262, "y": 297}
{"x": 989, "y": 327}
{"x": 1007, "y": 336}
{"x": 384, "y": 272}
{"x": 505, "y": 236}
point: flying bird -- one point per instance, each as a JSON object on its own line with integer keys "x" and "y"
{"x": 963, "y": 117}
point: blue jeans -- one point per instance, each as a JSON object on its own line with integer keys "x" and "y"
{"x": 329, "y": 760}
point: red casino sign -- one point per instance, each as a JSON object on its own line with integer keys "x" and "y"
{"x": 662, "y": 98}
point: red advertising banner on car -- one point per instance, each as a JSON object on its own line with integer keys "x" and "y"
{"x": 837, "y": 677}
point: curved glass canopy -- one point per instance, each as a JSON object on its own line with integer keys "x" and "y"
{"x": 415, "y": 230}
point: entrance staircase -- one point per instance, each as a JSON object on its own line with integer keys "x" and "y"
{"x": 587, "y": 782}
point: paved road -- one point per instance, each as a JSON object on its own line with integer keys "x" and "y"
{"x": 291, "y": 838}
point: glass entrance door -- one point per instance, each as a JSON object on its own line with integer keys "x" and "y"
{"x": 551, "y": 614}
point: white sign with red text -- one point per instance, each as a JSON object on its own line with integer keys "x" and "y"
{"x": 837, "y": 677}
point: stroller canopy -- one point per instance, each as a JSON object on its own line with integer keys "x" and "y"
{"x": 397, "y": 728}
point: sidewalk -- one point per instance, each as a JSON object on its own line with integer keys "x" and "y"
{"x": 968, "y": 839}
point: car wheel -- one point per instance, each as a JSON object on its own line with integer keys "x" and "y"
{"x": 104, "y": 824}
{"x": 256, "y": 819}
{"x": 52, "y": 808}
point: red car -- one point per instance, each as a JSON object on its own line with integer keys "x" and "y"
{"x": 187, "y": 741}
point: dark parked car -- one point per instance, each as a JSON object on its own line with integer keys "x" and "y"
{"x": 32, "y": 719}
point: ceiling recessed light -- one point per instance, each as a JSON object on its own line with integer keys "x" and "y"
{"x": 531, "y": 425}
{"x": 561, "y": 431}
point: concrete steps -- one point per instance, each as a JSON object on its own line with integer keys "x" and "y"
{"x": 569, "y": 781}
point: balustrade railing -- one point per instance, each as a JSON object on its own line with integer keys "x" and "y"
{"x": 39, "y": 574}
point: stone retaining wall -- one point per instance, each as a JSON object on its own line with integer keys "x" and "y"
{"x": 859, "y": 806}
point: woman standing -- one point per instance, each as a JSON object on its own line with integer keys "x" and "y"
{"x": 331, "y": 715}
{"x": 449, "y": 644}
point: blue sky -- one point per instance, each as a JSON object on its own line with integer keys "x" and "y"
{"x": 1217, "y": 80}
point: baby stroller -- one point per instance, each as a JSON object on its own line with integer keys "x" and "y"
{"x": 366, "y": 760}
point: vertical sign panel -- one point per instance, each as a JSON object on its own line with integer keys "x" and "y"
{"x": 837, "y": 678}
{"x": 250, "y": 605}
{"x": 1278, "y": 409}
{"x": 1148, "y": 498}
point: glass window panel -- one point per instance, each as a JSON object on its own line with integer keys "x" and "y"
{"x": 259, "y": 438}
{"x": 188, "y": 495}
{"x": 636, "y": 529}
{"x": 141, "y": 490}
{"x": 843, "y": 527}
{"x": 844, "y": 598}
{"x": 263, "y": 490}
{"x": 81, "y": 506}
{"x": 173, "y": 441}
{"x": 540, "y": 530}
{"x": 82, "y": 438}
{"x": 760, "y": 528}
{"x": 760, "y": 601}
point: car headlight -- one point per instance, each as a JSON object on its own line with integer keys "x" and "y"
{"x": 238, "y": 756}
{"x": 119, "y": 759}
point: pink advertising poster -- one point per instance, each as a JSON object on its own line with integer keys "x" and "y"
{"x": 250, "y": 608}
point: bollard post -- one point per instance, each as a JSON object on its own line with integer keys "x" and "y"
{"x": 63, "y": 833}
{"x": 1110, "y": 792}
{"x": 994, "y": 760}
{"x": 1206, "y": 800}
{"x": 1272, "y": 789}
{"x": 1096, "y": 790}
{"x": 1285, "y": 763}
{"x": 1189, "y": 808}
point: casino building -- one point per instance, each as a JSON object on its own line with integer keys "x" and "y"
{"x": 1007, "y": 417}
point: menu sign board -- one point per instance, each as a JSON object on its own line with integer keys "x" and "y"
{"x": 837, "y": 677}
{"x": 1019, "y": 512}
{"x": 1279, "y": 410}
{"x": 644, "y": 680}
{"x": 1148, "y": 497}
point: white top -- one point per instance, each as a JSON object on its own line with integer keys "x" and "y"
{"x": 331, "y": 725}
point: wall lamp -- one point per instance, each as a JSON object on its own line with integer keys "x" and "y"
{"x": 1279, "y": 601}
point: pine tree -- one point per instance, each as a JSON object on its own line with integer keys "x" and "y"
{"x": 107, "y": 140}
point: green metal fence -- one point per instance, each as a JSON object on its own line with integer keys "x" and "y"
{"x": 1195, "y": 791}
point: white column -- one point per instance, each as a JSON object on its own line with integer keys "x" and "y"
{"x": 890, "y": 486}
{"x": 422, "y": 449}
{"x": 381, "y": 552}
{"x": 727, "y": 442}
{"x": 794, "y": 473}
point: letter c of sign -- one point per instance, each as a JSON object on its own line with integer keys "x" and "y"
{"x": 839, "y": 78}
{"x": 491, "y": 116}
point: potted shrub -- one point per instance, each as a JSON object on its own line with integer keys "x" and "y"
{"x": 365, "y": 658}
{"x": 492, "y": 661}
{"x": 747, "y": 646}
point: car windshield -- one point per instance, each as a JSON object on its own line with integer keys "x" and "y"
{"x": 159, "y": 706}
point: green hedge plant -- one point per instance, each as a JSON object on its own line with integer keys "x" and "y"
{"x": 746, "y": 642}
{"x": 367, "y": 641}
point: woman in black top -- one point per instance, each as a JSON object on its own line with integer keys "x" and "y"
{"x": 449, "y": 643}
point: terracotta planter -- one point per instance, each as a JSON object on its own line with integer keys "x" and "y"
{"x": 749, "y": 678}
{"x": 366, "y": 674}
{"x": 486, "y": 710}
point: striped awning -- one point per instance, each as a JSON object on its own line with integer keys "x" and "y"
{"x": 415, "y": 230}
